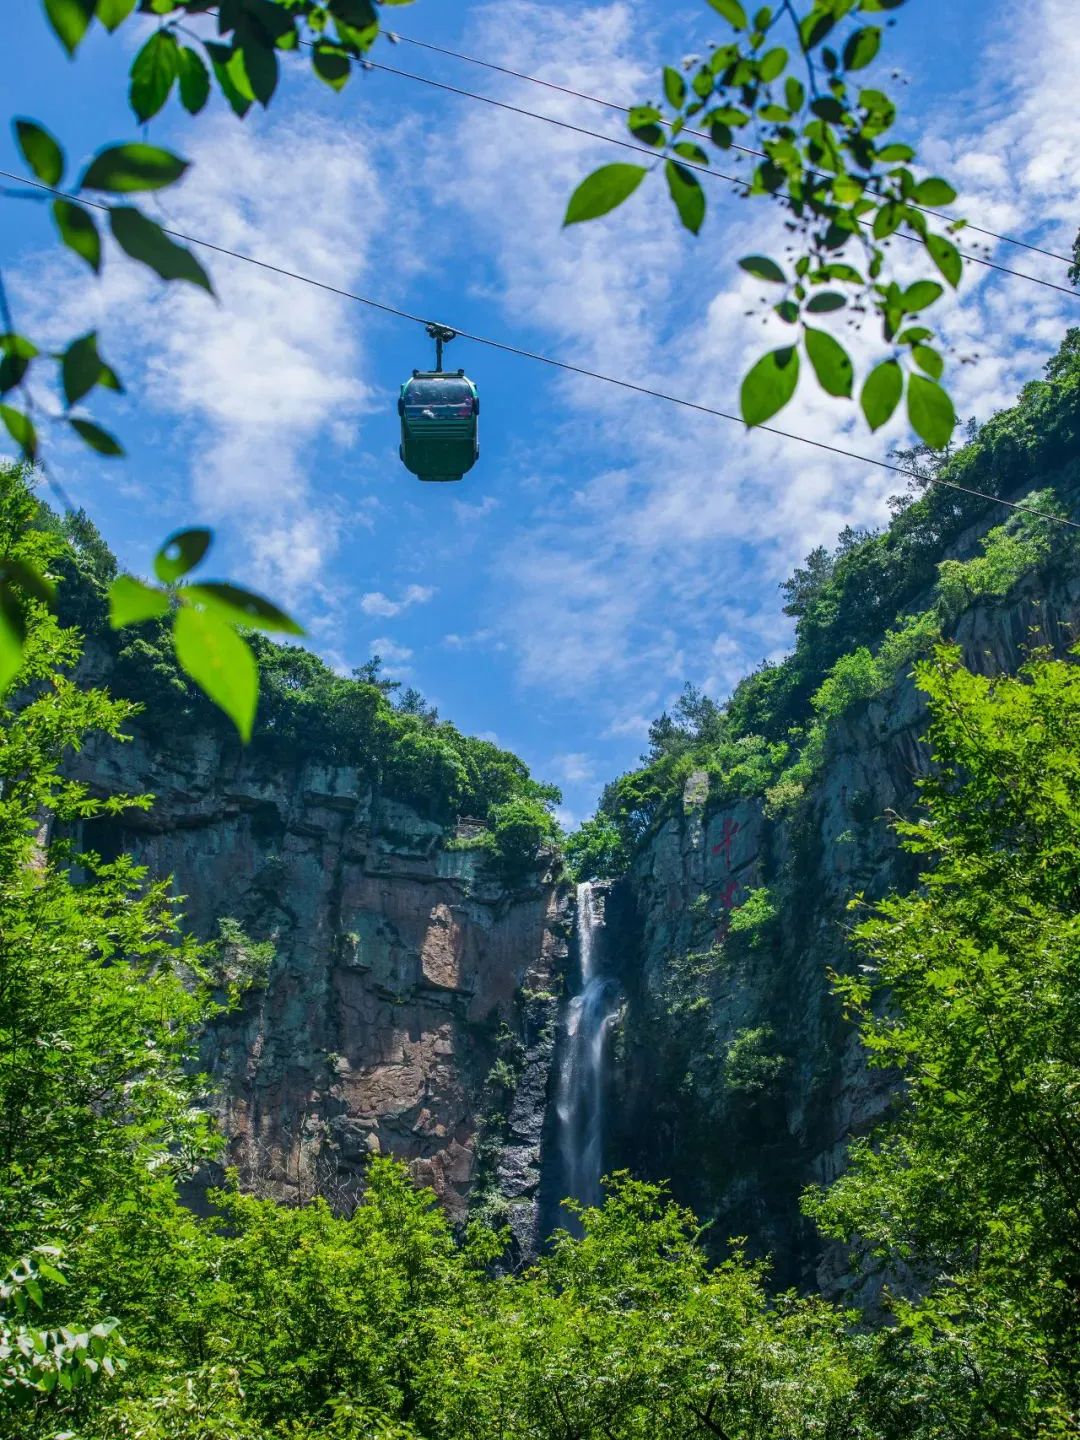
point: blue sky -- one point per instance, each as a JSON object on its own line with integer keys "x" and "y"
{"x": 606, "y": 547}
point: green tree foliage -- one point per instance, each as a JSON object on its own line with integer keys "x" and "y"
{"x": 265, "y": 1322}
{"x": 971, "y": 990}
{"x": 787, "y": 91}
{"x": 866, "y": 609}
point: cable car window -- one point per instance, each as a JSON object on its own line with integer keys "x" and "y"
{"x": 438, "y": 392}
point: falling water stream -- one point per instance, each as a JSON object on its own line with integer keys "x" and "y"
{"x": 581, "y": 1082}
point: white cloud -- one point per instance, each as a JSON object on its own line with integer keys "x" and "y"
{"x": 392, "y": 653}
{"x": 658, "y": 537}
{"x": 572, "y": 768}
{"x": 376, "y": 603}
{"x": 253, "y": 384}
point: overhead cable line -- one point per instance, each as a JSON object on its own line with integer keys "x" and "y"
{"x": 549, "y": 360}
{"x": 687, "y": 164}
{"x": 396, "y": 35}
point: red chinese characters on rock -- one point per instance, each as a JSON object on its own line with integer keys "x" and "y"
{"x": 728, "y": 898}
{"x": 731, "y": 829}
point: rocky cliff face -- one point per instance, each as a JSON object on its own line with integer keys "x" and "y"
{"x": 407, "y": 1005}
{"x": 738, "y": 1078}
{"x": 406, "y": 1000}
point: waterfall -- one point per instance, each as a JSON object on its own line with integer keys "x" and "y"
{"x": 581, "y": 1080}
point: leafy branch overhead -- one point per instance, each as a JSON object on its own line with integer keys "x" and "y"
{"x": 207, "y": 617}
{"x": 240, "y": 56}
{"x": 784, "y": 91}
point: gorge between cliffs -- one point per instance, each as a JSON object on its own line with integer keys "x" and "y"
{"x": 513, "y": 1034}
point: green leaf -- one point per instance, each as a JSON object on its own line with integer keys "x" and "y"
{"x": 602, "y": 191}
{"x": 194, "y": 81}
{"x": 17, "y": 352}
{"x": 78, "y": 231}
{"x": 674, "y": 88}
{"x": 687, "y": 193}
{"x": 762, "y": 267}
{"x": 242, "y": 607}
{"x": 21, "y": 429}
{"x": 153, "y": 74}
{"x": 220, "y": 663}
{"x": 229, "y": 72}
{"x": 144, "y": 240}
{"x": 40, "y": 151}
{"x": 934, "y": 191}
{"x": 769, "y": 385}
{"x": 131, "y": 601}
{"x": 112, "y": 13}
{"x": 772, "y": 63}
{"x": 28, "y": 580}
{"x": 331, "y": 64}
{"x": 82, "y": 368}
{"x": 794, "y": 93}
{"x": 181, "y": 552}
{"x": 122, "y": 169}
{"x": 881, "y": 393}
{"x": 928, "y": 360}
{"x": 97, "y": 438}
{"x": 822, "y": 304}
{"x": 930, "y": 411}
{"x": 690, "y": 150}
{"x": 946, "y": 257}
{"x": 69, "y": 19}
{"x": 788, "y": 311}
{"x": 12, "y": 635}
{"x": 862, "y": 47}
{"x": 920, "y": 295}
{"x": 831, "y": 362}
{"x": 732, "y": 12}
{"x": 261, "y": 69}
{"x": 895, "y": 154}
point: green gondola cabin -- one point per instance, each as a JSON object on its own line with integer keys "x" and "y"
{"x": 439, "y": 428}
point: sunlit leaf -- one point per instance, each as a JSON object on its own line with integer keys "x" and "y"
{"x": 153, "y": 74}
{"x": 112, "y": 13}
{"x": 602, "y": 191}
{"x": 12, "y": 635}
{"x": 930, "y": 411}
{"x": 79, "y": 231}
{"x": 331, "y": 64}
{"x": 27, "y": 579}
{"x": 881, "y": 393}
{"x": 861, "y": 48}
{"x": 674, "y": 88}
{"x": 772, "y": 63}
{"x": 40, "y": 151}
{"x": 181, "y": 552}
{"x": 686, "y": 191}
{"x": 946, "y": 257}
{"x": 144, "y": 240}
{"x": 242, "y": 607}
{"x": 919, "y": 295}
{"x": 194, "y": 81}
{"x": 763, "y": 268}
{"x": 69, "y": 19}
{"x": 221, "y": 664}
{"x": 831, "y": 362}
{"x": 130, "y": 601}
{"x": 769, "y": 385}
{"x": 21, "y": 429}
{"x": 122, "y": 169}
{"x": 732, "y": 12}
{"x": 934, "y": 191}
{"x": 928, "y": 360}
